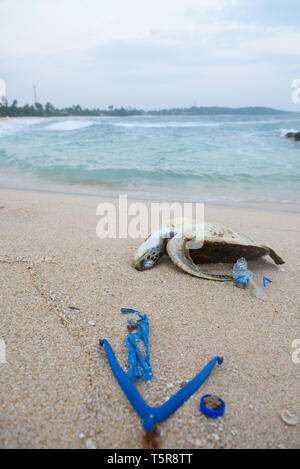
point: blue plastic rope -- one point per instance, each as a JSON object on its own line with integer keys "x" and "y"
{"x": 138, "y": 365}
{"x": 153, "y": 415}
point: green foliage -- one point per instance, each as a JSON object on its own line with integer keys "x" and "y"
{"x": 38, "y": 110}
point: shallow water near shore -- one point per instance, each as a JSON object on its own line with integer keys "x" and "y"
{"x": 234, "y": 160}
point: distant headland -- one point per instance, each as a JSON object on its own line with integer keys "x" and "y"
{"x": 48, "y": 110}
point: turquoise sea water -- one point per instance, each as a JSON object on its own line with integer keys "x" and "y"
{"x": 219, "y": 159}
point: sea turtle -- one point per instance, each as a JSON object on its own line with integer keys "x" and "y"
{"x": 220, "y": 244}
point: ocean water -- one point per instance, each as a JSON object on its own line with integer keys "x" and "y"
{"x": 219, "y": 159}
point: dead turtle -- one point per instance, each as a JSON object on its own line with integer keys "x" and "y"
{"x": 185, "y": 248}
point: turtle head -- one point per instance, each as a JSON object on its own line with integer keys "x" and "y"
{"x": 151, "y": 250}
{"x": 146, "y": 258}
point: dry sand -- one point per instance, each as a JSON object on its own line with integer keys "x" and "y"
{"x": 57, "y": 389}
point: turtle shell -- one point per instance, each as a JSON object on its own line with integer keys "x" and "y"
{"x": 222, "y": 244}
{"x": 217, "y": 244}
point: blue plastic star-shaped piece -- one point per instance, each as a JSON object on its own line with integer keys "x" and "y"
{"x": 153, "y": 415}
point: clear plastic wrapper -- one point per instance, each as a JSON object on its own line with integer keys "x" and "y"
{"x": 244, "y": 277}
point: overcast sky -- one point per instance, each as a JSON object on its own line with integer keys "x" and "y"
{"x": 151, "y": 53}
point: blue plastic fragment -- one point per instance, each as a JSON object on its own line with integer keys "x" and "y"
{"x": 139, "y": 366}
{"x": 210, "y": 413}
{"x": 153, "y": 415}
{"x": 266, "y": 280}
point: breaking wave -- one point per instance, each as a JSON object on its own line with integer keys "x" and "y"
{"x": 68, "y": 125}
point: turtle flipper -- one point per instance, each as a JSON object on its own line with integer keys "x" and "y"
{"x": 179, "y": 254}
{"x": 277, "y": 259}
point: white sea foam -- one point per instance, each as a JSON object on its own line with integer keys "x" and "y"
{"x": 260, "y": 122}
{"x": 68, "y": 125}
{"x": 198, "y": 124}
{"x": 283, "y": 132}
{"x": 167, "y": 124}
{"x": 10, "y": 126}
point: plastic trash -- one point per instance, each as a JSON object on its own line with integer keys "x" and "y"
{"x": 139, "y": 366}
{"x": 243, "y": 276}
{"x": 212, "y": 413}
{"x": 153, "y": 415}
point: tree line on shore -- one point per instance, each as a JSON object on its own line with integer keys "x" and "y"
{"x": 48, "y": 110}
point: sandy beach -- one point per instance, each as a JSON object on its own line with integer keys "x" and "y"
{"x": 57, "y": 388}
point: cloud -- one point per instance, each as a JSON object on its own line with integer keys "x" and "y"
{"x": 142, "y": 53}
{"x": 57, "y": 26}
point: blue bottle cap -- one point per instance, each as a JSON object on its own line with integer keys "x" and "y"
{"x": 242, "y": 280}
{"x": 210, "y": 413}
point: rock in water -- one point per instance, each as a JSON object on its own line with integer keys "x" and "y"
{"x": 295, "y": 135}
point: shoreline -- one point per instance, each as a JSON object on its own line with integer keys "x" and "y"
{"x": 230, "y": 111}
{"x": 244, "y": 191}
{"x": 51, "y": 262}
{"x": 256, "y": 206}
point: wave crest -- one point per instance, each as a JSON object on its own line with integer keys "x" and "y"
{"x": 68, "y": 125}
